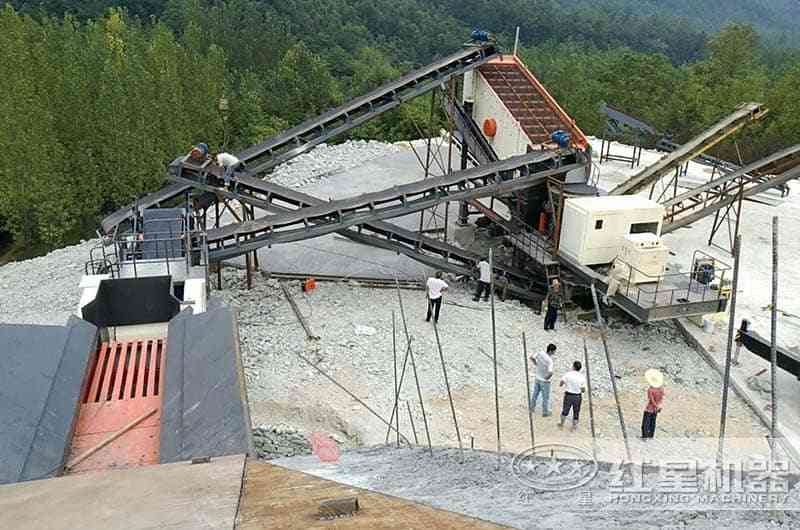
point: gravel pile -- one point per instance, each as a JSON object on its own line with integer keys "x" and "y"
{"x": 275, "y": 441}
{"x": 43, "y": 290}
{"x": 326, "y": 160}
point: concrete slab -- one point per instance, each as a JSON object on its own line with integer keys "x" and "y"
{"x": 174, "y": 496}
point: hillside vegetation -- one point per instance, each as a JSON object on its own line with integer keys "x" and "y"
{"x": 97, "y": 101}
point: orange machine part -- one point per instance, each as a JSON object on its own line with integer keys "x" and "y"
{"x": 125, "y": 383}
{"x": 490, "y": 127}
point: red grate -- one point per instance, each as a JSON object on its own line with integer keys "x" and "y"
{"x": 124, "y": 383}
{"x": 126, "y": 370}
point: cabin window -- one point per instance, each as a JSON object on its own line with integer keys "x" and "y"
{"x": 598, "y": 224}
{"x": 643, "y": 228}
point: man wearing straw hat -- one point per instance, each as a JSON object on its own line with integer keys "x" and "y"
{"x": 655, "y": 396}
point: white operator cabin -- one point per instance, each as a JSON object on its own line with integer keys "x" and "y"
{"x": 594, "y": 230}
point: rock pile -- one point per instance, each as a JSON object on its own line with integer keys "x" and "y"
{"x": 275, "y": 441}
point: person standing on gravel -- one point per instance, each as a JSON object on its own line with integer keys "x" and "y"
{"x": 484, "y": 282}
{"x": 655, "y": 397}
{"x": 435, "y": 288}
{"x": 574, "y": 384}
{"x": 553, "y": 302}
{"x": 541, "y": 382}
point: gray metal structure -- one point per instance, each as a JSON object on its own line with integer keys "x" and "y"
{"x": 42, "y": 375}
{"x": 691, "y": 149}
{"x": 205, "y": 410}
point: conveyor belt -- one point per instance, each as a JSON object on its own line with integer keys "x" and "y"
{"x": 760, "y": 346}
{"x": 477, "y": 145}
{"x": 691, "y": 149}
{"x": 315, "y": 131}
{"x": 330, "y": 217}
{"x": 307, "y": 135}
{"x": 752, "y": 173}
{"x": 431, "y": 252}
{"x": 753, "y": 185}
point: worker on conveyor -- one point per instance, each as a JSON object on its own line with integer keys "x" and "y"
{"x": 230, "y": 164}
{"x": 199, "y": 152}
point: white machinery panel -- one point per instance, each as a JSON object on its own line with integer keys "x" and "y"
{"x": 593, "y": 228}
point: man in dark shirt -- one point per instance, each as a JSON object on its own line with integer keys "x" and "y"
{"x": 553, "y": 302}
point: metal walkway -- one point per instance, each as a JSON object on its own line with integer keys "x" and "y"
{"x": 691, "y": 149}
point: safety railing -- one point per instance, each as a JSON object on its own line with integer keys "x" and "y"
{"x": 529, "y": 241}
{"x": 677, "y": 288}
{"x": 132, "y": 250}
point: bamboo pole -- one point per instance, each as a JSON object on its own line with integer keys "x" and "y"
{"x": 411, "y": 419}
{"x": 731, "y": 330}
{"x": 449, "y": 394}
{"x": 528, "y": 387}
{"x": 494, "y": 356}
{"x": 396, "y": 390}
{"x": 414, "y": 367}
{"x": 773, "y": 347}
{"x": 603, "y": 337}
{"x": 589, "y": 392}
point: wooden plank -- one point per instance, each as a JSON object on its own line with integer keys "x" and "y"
{"x": 274, "y": 497}
{"x": 83, "y": 456}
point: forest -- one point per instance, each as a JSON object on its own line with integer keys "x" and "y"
{"x": 100, "y": 95}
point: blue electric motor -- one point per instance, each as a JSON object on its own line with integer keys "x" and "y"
{"x": 480, "y": 35}
{"x": 561, "y": 138}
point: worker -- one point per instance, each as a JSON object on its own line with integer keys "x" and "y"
{"x": 655, "y": 397}
{"x": 231, "y": 164}
{"x": 615, "y": 276}
{"x": 199, "y": 153}
{"x": 436, "y": 287}
{"x": 553, "y": 302}
{"x": 484, "y": 281}
{"x": 574, "y": 384}
{"x": 541, "y": 382}
{"x": 738, "y": 340}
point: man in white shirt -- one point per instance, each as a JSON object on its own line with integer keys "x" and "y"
{"x": 230, "y": 163}
{"x": 435, "y": 288}
{"x": 541, "y": 382}
{"x": 574, "y": 383}
{"x": 484, "y": 281}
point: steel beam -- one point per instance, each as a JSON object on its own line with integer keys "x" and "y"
{"x": 691, "y": 149}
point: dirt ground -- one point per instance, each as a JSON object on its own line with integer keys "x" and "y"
{"x": 355, "y": 349}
